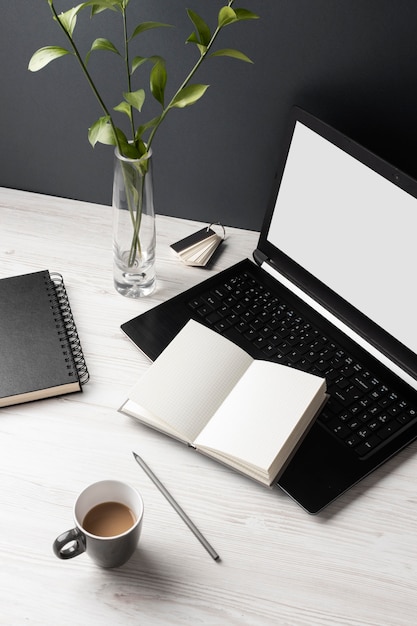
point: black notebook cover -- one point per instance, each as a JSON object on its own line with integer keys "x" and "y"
{"x": 40, "y": 351}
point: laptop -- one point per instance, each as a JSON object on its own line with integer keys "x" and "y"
{"x": 330, "y": 290}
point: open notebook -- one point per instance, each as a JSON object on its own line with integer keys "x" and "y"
{"x": 249, "y": 414}
{"x": 331, "y": 292}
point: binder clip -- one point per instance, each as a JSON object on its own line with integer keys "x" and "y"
{"x": 197, "y": 249}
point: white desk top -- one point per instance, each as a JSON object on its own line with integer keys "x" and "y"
{"x": 354, "y": 564}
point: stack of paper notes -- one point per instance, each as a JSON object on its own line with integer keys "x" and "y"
{"x": 198, "y": 248}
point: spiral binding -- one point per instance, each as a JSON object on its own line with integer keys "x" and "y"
{"x": 66, "y": 328}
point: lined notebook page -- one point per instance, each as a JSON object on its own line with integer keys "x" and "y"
{"x": 190, "y": 379}
{"x": 264, "y": 414}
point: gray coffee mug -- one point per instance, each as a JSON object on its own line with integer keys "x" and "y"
{"x": 106, "y": 551}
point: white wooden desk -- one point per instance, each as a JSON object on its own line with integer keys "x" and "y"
{"x": 355, "y": 564}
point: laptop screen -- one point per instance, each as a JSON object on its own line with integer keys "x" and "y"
{"x": 352, "y": 228}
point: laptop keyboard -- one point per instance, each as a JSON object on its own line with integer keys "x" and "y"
{"x": 363, "y": 412}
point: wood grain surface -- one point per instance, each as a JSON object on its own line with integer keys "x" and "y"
{"x": 353, "y": 565}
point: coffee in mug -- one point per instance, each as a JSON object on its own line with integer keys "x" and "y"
{"x": 108, "y": 517}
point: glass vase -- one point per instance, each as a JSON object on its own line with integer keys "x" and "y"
{"x": 133, "y": 226}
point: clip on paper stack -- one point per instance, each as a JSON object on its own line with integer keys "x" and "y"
{"x": 197, "y": 249}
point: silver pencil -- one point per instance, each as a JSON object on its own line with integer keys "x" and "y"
{"x": 177, "y": 507}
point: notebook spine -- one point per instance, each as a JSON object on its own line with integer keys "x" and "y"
{"x": 66, "y": 328}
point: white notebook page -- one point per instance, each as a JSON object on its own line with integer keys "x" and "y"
{"x": 190, "y": 379}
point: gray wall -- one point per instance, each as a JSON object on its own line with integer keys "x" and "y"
{"x": 352, "y": 62}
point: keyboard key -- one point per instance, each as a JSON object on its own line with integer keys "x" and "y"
{"x": 407, "y": 416}
{"x": 204, "y": 310}
{"x": 389, "y": 429}
{"x": 212, "y": 301}
{"x": 269, "y": 350}
{"x": 222, "y": 326}
{"x": 341, "y": 430}
{"x": 212, "y": 318}
{"x": 353, "y": 440}
{"x": 197, "y": 302}
{"x": 367, "y": 446}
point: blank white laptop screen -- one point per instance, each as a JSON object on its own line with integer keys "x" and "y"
{"x": 352, "y": 229}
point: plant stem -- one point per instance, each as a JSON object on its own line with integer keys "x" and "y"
{"x": 135, "y": 212}
{"x": 136, "y": 219}
{"x": 185, "y": 82}
{"x": 86, "y": 74}
{"x": 127, "y": 64}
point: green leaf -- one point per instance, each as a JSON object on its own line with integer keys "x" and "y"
{"x": 202, "y": 49}
{"x": 226, "y": 16}
{"x": 124, "y": 107}
{"x": 97, "y": 6}
{"x": 135, "y": 98}
{"x": 194, "y": 39}
{"x": 158, "y": 80}
{"x": 143, "y": 151}
{"x": 141, "y": 28}
{"x": 45, "y": 55}
{"x": 203, "y": 29}
{"x": 244, "y": 14}
{"x": 235, "y": 54}
{"x": 188, "y": 95}
{"x": 104, "y": 44}
{"x": 137, "y": 62}
{"x": 101, "y": 44}
{"x": 128, "y": 149}
{"x": 69, "y": 18}
{"x": 101, "y": 131}
{"x": 144, "y": 127}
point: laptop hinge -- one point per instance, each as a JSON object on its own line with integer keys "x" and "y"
{"x": 382, "y": 358}
{"x": 259, "y": 257}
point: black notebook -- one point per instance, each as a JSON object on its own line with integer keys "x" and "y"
{"x": 40, "y": 350}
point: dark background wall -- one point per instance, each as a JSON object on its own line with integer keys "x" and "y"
{"x": 352, "y": 62}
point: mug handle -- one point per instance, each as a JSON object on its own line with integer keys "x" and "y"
{"x": 71, "y": 543}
